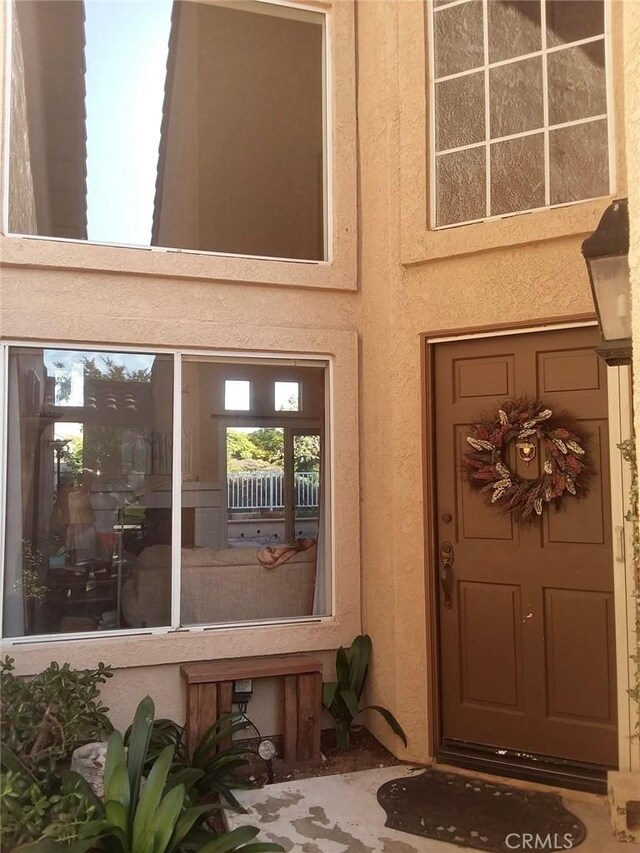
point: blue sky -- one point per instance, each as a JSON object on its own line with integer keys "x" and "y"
{"x": 126, "y": 55}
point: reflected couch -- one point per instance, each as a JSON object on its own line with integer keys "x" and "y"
{"x": 227, "y": 585}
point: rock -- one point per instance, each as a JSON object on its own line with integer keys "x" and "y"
{"x": 89, "y": 761}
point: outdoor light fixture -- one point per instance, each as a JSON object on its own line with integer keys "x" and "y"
{"x": 606, "y": 253}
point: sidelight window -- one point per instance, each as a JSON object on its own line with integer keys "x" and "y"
{"x": 520, "y": 110}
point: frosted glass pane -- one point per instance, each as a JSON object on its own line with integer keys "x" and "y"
{"x": 460, "y": 186}
{"x": 577, "y": 84}
{"x": 460, "y": 111}
{"x": 514, "y": 28}
{"x": 517, "y": 174}
{"x": 579, "y": 162}
{"x": 516, "y": 97}
{"x": 457, "y": 33}
{"x": 572, "y": 20}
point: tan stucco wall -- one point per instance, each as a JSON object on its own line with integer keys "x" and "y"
{"x": 526, "y": 268}
{"x": 632, "y": 130}
{"x": 632, "y": 135}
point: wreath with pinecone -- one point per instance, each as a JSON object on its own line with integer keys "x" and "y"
{"x": 533, "y": 426}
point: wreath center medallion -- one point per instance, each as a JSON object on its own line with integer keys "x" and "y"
{"x": 527, "y": 450}
{"x": 534, "y": 427}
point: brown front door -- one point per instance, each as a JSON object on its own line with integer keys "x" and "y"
{"x": 527, "y": 656}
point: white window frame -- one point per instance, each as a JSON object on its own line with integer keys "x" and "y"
{"x": 546, "y": 127}
{"x": 329, "y": 523}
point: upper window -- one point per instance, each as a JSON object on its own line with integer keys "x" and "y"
{"x": 237, "y": 395}
{"x": 188, "y": 125}
{"x": 519, "y": 107}
{"x": 286, "y": 396}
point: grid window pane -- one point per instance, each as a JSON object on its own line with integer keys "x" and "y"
{"x": 520, "y": 131}
{"x": 237, "y": 395}
{"x": 514, "y": 28}
{"x": 516, "y": 97}
{"x": 460, "y": 186}
{"x": 517, "y": 174}
{"x": 458, "y": 38}
{"x": 577, "y": 83}
{"x": 573, "y": 20}
{"x": 286, "y": 396}
{"x": 579, "y": 162}
{"x": 460, "y": 117}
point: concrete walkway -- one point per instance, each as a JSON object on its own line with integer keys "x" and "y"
{"x": 340, "y": 814}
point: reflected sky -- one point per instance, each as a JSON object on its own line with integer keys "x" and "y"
{"x": 126, "y": 57}
{"x": 66, "y": 359}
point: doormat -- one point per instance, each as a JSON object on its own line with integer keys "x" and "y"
{"x": 469, "y": 812}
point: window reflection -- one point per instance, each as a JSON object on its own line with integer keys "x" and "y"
{"x": 194, "y": 125}
{"x": 89, "y": 484}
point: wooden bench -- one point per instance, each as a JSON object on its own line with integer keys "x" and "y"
{"x": 210, "y": 692}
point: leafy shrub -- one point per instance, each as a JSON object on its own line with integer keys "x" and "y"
{"x": 29, "y": 810}
{"x": 46, "y": 717}
{"x": 148, "y": 815}
{"x": 342, "y": 697}
{"x": 43, "y": 720}
{"x": 219, "y": 769}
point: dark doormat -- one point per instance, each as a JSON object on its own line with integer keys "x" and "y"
{"x": 469, "y": 812}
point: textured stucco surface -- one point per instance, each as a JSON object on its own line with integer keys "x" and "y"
{"x": 632, "y": 131}
{"x": 538, "y": 274}
{"x": 632, "y": 135}
{"x": 522, "y": 269}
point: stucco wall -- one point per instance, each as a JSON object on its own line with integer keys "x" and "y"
{"x": 632, "y": 131}
{"x": 526, "y": 268}
{"x": 632, "y": 134}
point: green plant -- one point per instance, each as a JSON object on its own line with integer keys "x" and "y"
{"x": 628, "y": 450}
{"x": 29, "y": 809}
{"x": 342, "y": 697}
{"x": 45, "y": 718}
{"x": 218, "y": 768}
{"x": 32, "y": 562}
{"x": 152, "y": 814}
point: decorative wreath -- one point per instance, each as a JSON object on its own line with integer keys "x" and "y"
{"x": 532, "y": 425}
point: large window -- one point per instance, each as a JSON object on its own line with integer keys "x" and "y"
{"x": 114, "y": 523}
{"x": 519, "y": 106}
{"x": 190, "y": 125}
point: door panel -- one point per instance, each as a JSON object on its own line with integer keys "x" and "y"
{"x": 490, "y": 627}
{"x": 527, "y": 648}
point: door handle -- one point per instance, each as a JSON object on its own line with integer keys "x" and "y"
{"x": 619, "y": 531}
{"x": 446, "y": 573}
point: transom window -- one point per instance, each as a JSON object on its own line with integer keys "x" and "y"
{"x": 520, "y": 113}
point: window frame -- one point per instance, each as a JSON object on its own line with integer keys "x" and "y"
{"x": 330, "y": 522}
{"x": 339, "y": 268}
{"x": 610, "y": 115}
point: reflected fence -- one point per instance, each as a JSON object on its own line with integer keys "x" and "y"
{"x": 265, "y": 489}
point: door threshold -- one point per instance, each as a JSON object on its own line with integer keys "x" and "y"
{"x": 530, "y": 767}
